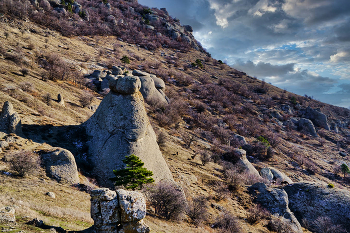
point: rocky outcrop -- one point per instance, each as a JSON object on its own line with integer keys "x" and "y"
{"x": 152, "y": 88}
{"x": 60, "y": 164}
{"x": 307, "y": 126}
{"x": 317, "y": 117}
{"x": 244, "y": 164}
{"x": 120, "y": 212}
{"x": 120, "y": 127}
{"x": 276, "y": 201}
{"x": 311, "y": 200}
{"x": 272, "y": 174}
{"x": 10, "y": 122}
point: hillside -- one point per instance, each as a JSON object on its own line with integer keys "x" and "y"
{"x": 213, "y": 110}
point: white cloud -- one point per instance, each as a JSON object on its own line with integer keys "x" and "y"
{"x": 340, "y": 56}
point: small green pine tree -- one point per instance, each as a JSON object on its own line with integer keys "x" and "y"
{"x": 134, "y": 175}
{"x": 125, "y": 59}
{"x": 345, "y": 169}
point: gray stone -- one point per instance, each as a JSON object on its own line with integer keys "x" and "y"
{"x": 139, "y": 73}
{"x": 280, "y": 176}
{"x": 158, "y": 82}
{"x": 241, "y": 139}
{"x": 60, "y": 99}
{"x": 60, "y": 164}
{"x": 120, "y": 211}
{"x": 150, "y": 93}
{"x": 244, "y": 163}
{"x": 117, "y": 70}
{"x": 96, "y": 74}
{"x": 308, "y": 126}
{"x": 312, "y": 200}
{"x": 317, "y": 117}
{"x": 7, "y": 215}
{"x": 276, "y": 201}
{"x": 266, "y": 174}
{"x": 120, "y": 127}
{"x": 4, "y": 144}
{"x": 343, "y": 154}
{"x": 126, "y": 85}
{"x": 286, "y": 108}
{"x": 149, "y": 27}
{"x": 188, "y": 28}
{"x": 51, "y": 194}
{"x": 10, "y": 122}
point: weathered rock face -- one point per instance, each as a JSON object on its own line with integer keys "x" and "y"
{"x": 276, "y": 201}
{"x": 10, "y": 122}
{"x": 120, "y": 127}
{"x": 271, "y": 174}
{"x": 60, "y": 164}
{"x": 244, "y": 163}
{"x": 317, "y": 117}
{"x": 121, "y": 211}
{"x": 308, "y": 126}
{"x": 310, "y": 200}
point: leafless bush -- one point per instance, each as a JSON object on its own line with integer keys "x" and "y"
{"x": 26, "y": 86}
{"x": 205, "y": 157}
{"x": 168, "y": 200}
{"x": 198, "y": 210}
{"x": 279, "y": 224}
{"x": 256, "y": 214}
{"x": 86, "y": 98}
{"x": 24, "y": 163}
{"x": 47, "y": 98}
{"x": 162, "y": 138}
{"x": 227, "y": 223}
{"x": 24, "y": 71}
{"x": 325, "y": 225}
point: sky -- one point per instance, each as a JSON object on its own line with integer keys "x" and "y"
{"x": 302, "y": 46}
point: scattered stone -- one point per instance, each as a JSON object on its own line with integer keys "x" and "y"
{"x": 308, "y": 126}
{"x": 117, "y": 70}
{"x": 10, "y": 122}
{"x": 244, "y": 163}
{"x": 240, "y": 138}
{"x": 266, "y": 174}
{"x": 317, "y": 117}
{"x": 343, "y": 154}
{"x": 276, "y": 201}
{"x": 60, "y": 99}
{"x": 51, "y": 194}
{"x": 286, "y": 108}
{"x": 7, "y": 215}
{"x": 4, "y": 144}
{"x": 60, "y": 164}
{"x": 139, "y": 73}
{"x": 280, "y": 176}
{"x": 120, "y": 211}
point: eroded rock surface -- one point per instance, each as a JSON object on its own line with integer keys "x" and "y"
{"x": 312, "y": 200}
{"x": 118, "y": 211}
{"x": 10, "y": 122}
{"x": 120, "y": 127}
{"x": 276, "y": 201}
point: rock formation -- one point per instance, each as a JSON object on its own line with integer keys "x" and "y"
{"x": 60, "y": 164}
{"x": 308, "y": 126}
{"x": 276, "y": 201}
{"x": 10, "y": 122}
{"x": 120, "y": 127}
{"x": 311, "y": 200}
{"x": 271, "y": 174}
{"x": 120, "y": 212}
{"x": 244, "y": 163}
{"x": 317, "y": 117}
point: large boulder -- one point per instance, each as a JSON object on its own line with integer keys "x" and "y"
{"x": 279, "y": 176}
{"x": 60, "y": 164}
{"x": 121, "y": 211}
{"x": 317, "y": 117}
{"x": 120, "y": 127}
{"x": 10, "y": 122}
{"x": 150, "y": 93}
{"x": 309, "y": 201}
{"x": 307, "y": 126}
{"x": 244, "y": 164}
{"x": 276, "y": 201}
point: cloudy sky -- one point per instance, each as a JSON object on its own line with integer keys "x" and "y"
{"x": 302, "y": 46}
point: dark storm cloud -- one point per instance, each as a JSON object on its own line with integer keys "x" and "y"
{"x": 262, "y": 69}
{"x": 273, "y": 38}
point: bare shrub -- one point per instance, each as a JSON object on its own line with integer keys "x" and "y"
{"x": 168, "y": 200}
{"x": 26, "y": 86}
{"x": 227, "y": 223}
{"x": 24, "y": 71}
{"x": 198, "y": 210}
{"x": 24, "y": 163}
{"x": 205, "y": 157}
{"x": 279, "y": 224}
{"x": 86, "y": 98}
{"x": 162, "y": 138}
{"x": 325, "y": 225}
{"x": 47, "y": 98}
{"x": 256, "y": 214}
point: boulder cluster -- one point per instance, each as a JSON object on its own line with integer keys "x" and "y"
{"x": 118, "y": 211}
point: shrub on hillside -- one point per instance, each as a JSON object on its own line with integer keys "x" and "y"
{"x": 168, "y": 200}
{"x": 24, "y": 163}
{"x": 198, "y": 210}
{"x": 86, "y": 99}
{"x": 279, "y": 224}
{"x": 227, "y": 223}
{"x": 256, "y": 213}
